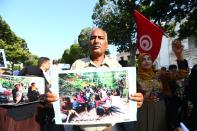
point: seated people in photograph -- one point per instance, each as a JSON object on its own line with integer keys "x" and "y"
{"x": 33, "y": 93}
{"x": 4, "y": 93}
{"x": 67, "y": 109}
{"x": 17, "y": 93}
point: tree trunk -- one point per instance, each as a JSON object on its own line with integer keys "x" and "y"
{"x": 132, "y": 54}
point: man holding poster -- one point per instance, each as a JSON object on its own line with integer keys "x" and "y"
{"x": 97, "y": 47}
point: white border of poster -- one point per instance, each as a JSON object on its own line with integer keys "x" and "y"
{"x": 70, "y": 84}
{"x": 3, "y": 63}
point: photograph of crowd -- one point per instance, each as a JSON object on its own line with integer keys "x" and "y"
{"x": 18, "y": 90}
{"x": 96, "y": 96}
{"x": 2, "y": 59}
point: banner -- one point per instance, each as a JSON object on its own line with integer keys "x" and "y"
{"x": 149, "y": 36}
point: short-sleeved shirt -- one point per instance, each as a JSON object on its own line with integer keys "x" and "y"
{"x": 88, "y": 63}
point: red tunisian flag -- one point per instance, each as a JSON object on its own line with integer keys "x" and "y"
{"x": 149, "y": 36}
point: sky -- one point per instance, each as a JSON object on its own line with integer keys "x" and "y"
{"x": 48, "y": 26}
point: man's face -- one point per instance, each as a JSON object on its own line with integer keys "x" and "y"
{"x": 98, "y": 42}
{"x": 46, "y": 65}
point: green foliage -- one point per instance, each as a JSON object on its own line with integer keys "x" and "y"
{"x": 189, "y": 27}
{"x": 75, "y": 52}
{"x": 15, "y": 53}
{"x": 73, "y": 82}
{"x": 116, "y": 18}
{"x": 84, "y": 36}
{"x": 32, "y": 60}
{"x": 83, "y": 40}
{"x": 5, "y": 32}
{"x": 16, "y": 49}
{"x": 171, "y": 12}
{"x": 16, "y": 67}
{"x": 7, "y": 84}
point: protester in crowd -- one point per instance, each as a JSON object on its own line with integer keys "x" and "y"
{"x": 41, "y": 70}
{"x": 163, "y": 68}
{"x": 44, "y": 65}
{"x": 31, "y": 71}
{"x": 41, "y": 114}
{"x": 97, "y": 47}
{"x": 152, "y": 115}
{"x": 175, "y": 102}
{"x": 54, "y": 68}
{"x": 54, "y": 65}
{"x": 191, "y": 93}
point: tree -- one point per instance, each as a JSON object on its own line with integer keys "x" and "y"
{"x": 83, "y": 40}
{"x": 116, "y": 17}
{"x": 75, "y": 52}
{"x": 78, "y": 50}
{"x": 84, "y": 36}
{"x": 5, "y": 32}
{"x": 66, "y": 57}
{"x": 169, "y": 13}
{"x": 32, "y": 60}
{"x": 16, "y": 49}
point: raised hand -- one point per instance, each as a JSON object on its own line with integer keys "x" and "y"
{"x": 177, "y": 48}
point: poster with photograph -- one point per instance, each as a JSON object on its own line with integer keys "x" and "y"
{"x": 20, "y": 90}
{"x": 3, "y": 63}
{"x": 99, "y": 96}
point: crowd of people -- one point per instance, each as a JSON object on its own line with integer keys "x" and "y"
{"x": 165, "y": 98}
{"x": 92, "y": 103}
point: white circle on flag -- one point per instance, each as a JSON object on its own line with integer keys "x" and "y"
{"x": 145, "y": 42}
